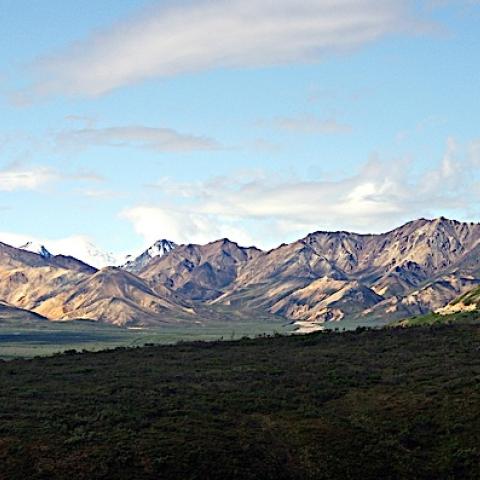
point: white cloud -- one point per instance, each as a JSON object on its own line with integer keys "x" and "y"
{"x": 17, "y": 178}
{"x": 266, "y": 210}
{"x": 159, "y": 139}
{"x": 192, "y": 36}
{"x": 182, "y": 225}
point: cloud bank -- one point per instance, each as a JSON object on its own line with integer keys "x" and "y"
{"x": 266, "y": 211}
{"x": 158, "y": 139}
{"x": 14, "y": 178}
{"x": 192, "y": 36}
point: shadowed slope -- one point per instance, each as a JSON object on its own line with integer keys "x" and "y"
{"x": 9, "y": 312}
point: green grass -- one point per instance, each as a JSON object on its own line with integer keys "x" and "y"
{"x": 469, "y": 298}
{"x": 435, "y": 318}
{"x": 355, "y": 322}
{"x": 30, "y": 339}
{"x": 398, "y": 403}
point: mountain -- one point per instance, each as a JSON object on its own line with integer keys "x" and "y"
{"x": 64, "y": 288}
{"x": 324, "y": 277}
{"x": 327, "y": 276}
{"x": 320, "y": 302}
{"x": 11, "y": 313}
{"x": 465, "y": 308}
{"x": 12, "y": 258}
{"x": 431, "y": 296}
{"x": 158, "y": 249}
{"x": 87, "y": 251}
{"x": 114, "y": 296}
{"x": 84, "y": 249}
{"x": 199, "y": 272}
{"x": 78, "y": 246}
{"x": 26, "y": 277}
{"x": 468, "y": 302}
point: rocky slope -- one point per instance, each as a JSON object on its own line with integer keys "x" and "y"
{"x": 26, "y": 277}
{"x": 463, "y": 309}
{"x": 64, "y": 288}
{"x": 199, "y": 272}
{"x": 468, "y": 302}
{"x": 114, "y": 296}
{"x": 326, "y": 276}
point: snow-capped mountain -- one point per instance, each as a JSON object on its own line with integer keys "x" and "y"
{"x": 77, "y": 246}
{"x": 36, "y": 247}
{"x": 82, "y": 248}
{"x": 158, "y": 249}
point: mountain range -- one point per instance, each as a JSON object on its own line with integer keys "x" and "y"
{"x": 324, "y": 277}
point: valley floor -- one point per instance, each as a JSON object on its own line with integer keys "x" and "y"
{"x": 398, "y": 403}
{"x": 40, "y": 338}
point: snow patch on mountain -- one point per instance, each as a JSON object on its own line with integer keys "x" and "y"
{"x": 77, "y": 246}
{"x": 85, "y": 250}
{"x": 158, "y": 249}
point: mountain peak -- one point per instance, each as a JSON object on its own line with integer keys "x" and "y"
{"x": 223, "y": 241}
{"x": 443, "y": 219}
{"x": 160, "y": 248}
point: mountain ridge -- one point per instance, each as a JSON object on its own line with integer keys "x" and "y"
{"x": 323, "y": 277}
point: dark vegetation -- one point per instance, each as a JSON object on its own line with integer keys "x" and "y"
{"x": 401, "y": 403}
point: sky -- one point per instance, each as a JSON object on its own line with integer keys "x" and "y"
{"x": 127, "y": 121}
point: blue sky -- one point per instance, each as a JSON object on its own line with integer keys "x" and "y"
{"x": 130, "y": 121}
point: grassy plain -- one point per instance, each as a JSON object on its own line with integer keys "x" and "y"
{"x": 30, "y": 339}
{"x": 400, "y": 403}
